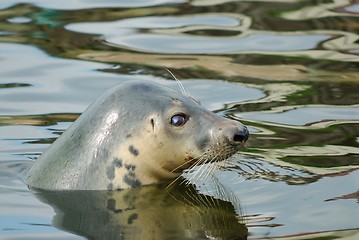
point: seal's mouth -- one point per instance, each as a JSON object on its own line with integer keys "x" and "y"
{"x": 219, "y": 152}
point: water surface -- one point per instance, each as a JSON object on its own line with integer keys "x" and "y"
{"x": 286, "y": 69}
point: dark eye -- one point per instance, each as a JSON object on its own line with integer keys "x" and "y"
{"x": 178, "y": 120}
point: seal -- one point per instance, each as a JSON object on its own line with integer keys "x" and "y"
{"x": 135, "y": 134}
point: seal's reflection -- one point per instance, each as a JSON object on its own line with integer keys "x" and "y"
{"x": 149, "y": 212}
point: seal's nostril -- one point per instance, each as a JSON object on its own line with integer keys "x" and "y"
{"x": 241, "y": 136}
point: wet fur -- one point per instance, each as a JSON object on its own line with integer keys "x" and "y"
{"x": 125, "y": 140}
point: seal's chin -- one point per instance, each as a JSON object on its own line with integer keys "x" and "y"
{"x": 217, "y": 153}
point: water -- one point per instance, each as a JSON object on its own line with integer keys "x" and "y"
{"x": 287, "y": 69}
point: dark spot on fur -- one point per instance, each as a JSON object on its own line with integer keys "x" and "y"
{"x": 131, "y": 180}
{"x": 110, "y": 186}
{"x": 133, "y": 150}
{"x": 130, "y": 177}
{"x": 130, "y": 167}
{"x": 117, "y": 162}
{"x": 110, "y": 172}
{"x": 128, "y": 136}
{"x": 132, "y": 218}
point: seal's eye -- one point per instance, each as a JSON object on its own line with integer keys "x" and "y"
{"x": 178, "y": 120}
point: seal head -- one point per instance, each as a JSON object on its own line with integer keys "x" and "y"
{"x": 135, "y": 134}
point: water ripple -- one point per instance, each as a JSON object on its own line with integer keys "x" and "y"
{"x": 199, "y": 45}
{"x": 110, "y": 28}
{"x": 305, "y": 115}
{"x": 83, "y": 4}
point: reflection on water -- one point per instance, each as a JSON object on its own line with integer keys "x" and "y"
{"x": 287, "y": 69}
{"x": 201, "y": 45}
{"x": 150, "y": 212}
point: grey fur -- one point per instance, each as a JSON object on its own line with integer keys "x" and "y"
{"x": 85, "y": 156}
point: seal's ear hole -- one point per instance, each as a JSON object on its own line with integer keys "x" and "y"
{"x": 153, "y": 123}
{"x": 179, "y": 119}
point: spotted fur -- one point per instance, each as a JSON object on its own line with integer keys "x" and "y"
{"x": 127, "y": 139}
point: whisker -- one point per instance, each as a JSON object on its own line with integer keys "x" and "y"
{"x": 198, "y": 171}
{"x": 172, "y": 182}
{"x": 184, "y": 181}
{"x": 203, "y": 170}
{"x": 197, "y": 161}
{"x": 181, "y": 165}
{"x": 206, "y": 164}
{"x": 210, "y": 171}
{"x": 183, "y": 90}
{"x": 212, "y": 168}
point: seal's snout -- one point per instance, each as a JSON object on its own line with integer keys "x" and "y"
{"x": 237, "y": 135}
